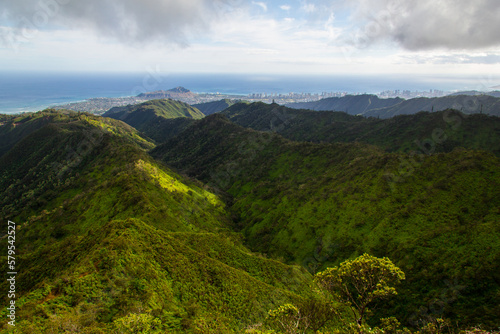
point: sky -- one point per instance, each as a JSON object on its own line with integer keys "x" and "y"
{"x": 439, "y": 37}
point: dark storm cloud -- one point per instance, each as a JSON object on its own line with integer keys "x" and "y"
{"x": 129, "y": 21}
{"x": 432, "y": 24}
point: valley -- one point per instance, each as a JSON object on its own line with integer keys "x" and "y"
{"x": 159, "y": 217}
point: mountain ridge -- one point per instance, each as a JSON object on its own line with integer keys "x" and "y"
{"x": 158, "y": 119}
{"x": 173, "y": 93}
{"x": 364, "y": 105}
{"x": 106, "y": 235}
{"x": 442, "y": 131}
{"x": 294, "y": 199}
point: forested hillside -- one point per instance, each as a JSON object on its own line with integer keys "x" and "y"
{"x": 221, "y": 228}
{"x": 158, "y": 119}
{"x": 436, "y": 216}
{"x": 423, "y": 132}
{"x": 110, "y": 240}
{"x": 209, "y": 108}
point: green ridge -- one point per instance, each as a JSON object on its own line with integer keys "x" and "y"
{"x": 158, "y": 119}
{"x": 436, "y": 216}
{"x": 428, "y": 132}
{"x": 210, "y": 108}
{"x": 108, "y": 235}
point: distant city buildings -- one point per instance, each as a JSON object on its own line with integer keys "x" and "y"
{"x": 293, "y": 97}
{"x": 101, "y": 105}
{"x": 310, "y": 97}
{"x": 406, "y": 94}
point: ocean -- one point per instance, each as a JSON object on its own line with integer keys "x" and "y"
{"x": 23, "y": 91}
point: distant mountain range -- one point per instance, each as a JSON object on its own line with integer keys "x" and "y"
{"x": 372, "y": 106}
{"x": 351, "y": 104}
{"x": 495, "y": 93}
{"x": 403, "y": 133}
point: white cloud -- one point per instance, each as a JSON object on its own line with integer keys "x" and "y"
{"x": 128, "y": 21}
{"x": 229, "y": 36}
{"x": 308, "y": 8}
{"x": 262, "y": 5}
{"x": 430, "y": 24}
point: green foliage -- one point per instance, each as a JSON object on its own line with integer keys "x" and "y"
{"x": 437, "y": 326}
{"x": 436, "y": 216}
{"x": 310, "y": 315}
{"x": 157, "y": 119}
{"x": 109, "y": 237}
{"x": 391, "y": 325}
{"x": 210, "y": 108}
{"x": 88, "y": 266}
{"x": 423, "y": 132}
{"x": 360, "y": 282}
{"x": 286, "y": 319}
{"x": 138, "y": 323}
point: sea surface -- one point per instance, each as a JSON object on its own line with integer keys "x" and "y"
{"x": 28, "y": 91}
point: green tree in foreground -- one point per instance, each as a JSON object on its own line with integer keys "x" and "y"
{"x": 307, "y": 316}
{"x": 287, "y": 319}
{"x": 358, "y": 283}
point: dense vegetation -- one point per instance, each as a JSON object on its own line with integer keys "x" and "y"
{"x": 158, "y": 119}
{"x": 425, "y": 132}
{"x": 436, "y": 216}
{"x": 209, "y": 108}
{"x": 109, "y": 238}
{"x": 265, "y": 203}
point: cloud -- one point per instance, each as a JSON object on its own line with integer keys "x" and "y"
{"x": 430, "y": 24}
{"x": 128, "y": 21}
{"x": 308, "y": 7}
{"x": 286, "y": 7}
{"x": 261, "y": 5}
{"x": 451, "y": 58}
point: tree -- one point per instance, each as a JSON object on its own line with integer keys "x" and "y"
{"x": 287, "y": 319}
{"x": 360, "y": 282}
{"x": 143, "y": 323}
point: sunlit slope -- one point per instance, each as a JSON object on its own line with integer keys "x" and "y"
{"x": 158, "y": 119}
{"x": 435, "y": 215}
{"x": 106, "y": 234}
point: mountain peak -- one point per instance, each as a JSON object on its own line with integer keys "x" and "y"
{"x": 174, "y": 93}
{"x": 179, "y": 89}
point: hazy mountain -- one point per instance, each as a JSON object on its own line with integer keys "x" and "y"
{"x": 174, "y": 93}
{"x": 467, "y": 104}
{"x": 372, "y": 106}
{"x": 475, "y": 92}
{"x": 351, "y": 104}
